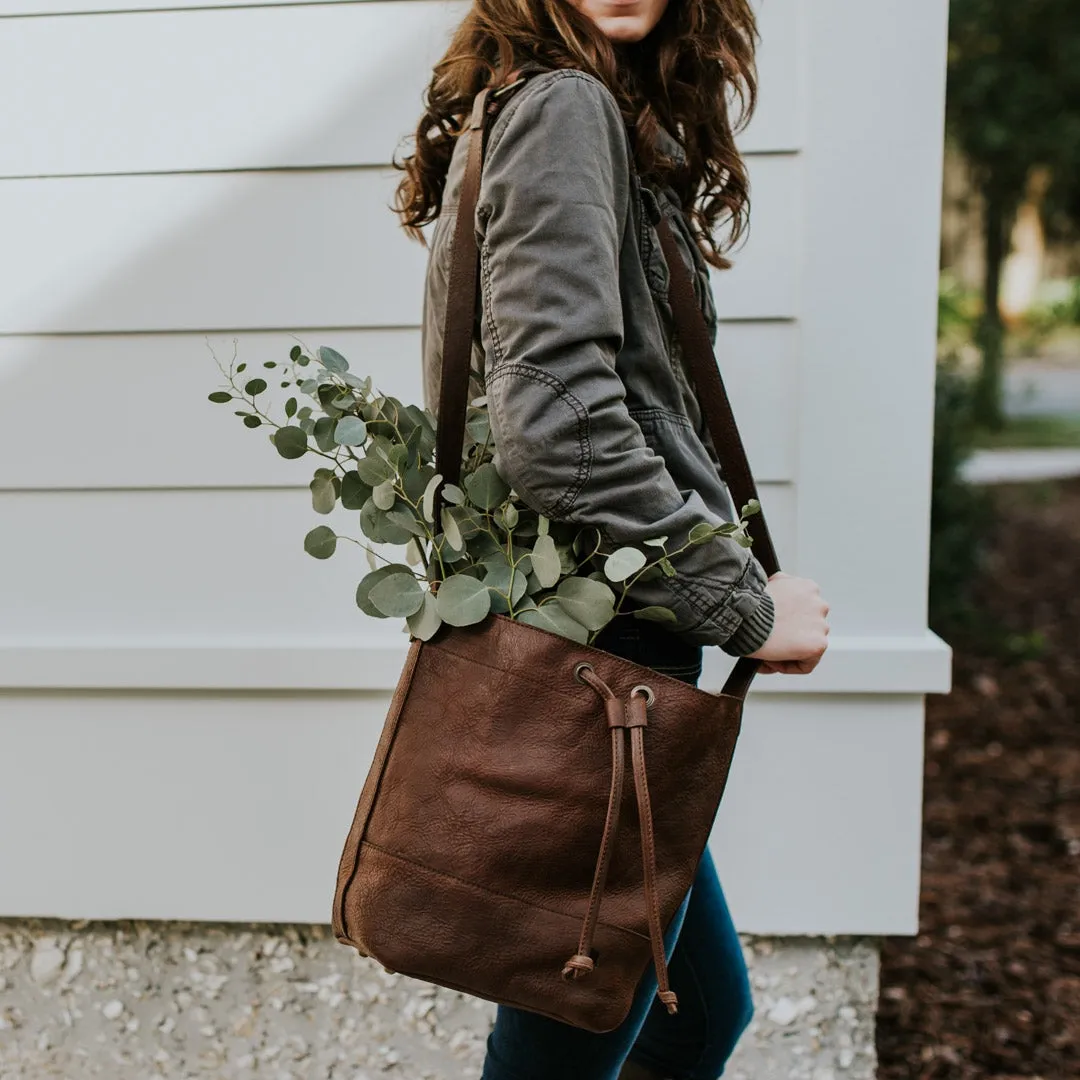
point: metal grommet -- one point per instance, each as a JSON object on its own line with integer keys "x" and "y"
{"x": 579, "y": 668}
{"x": 641, "y": 688}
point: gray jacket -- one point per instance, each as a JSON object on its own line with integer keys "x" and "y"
{"x": 592, "y": 415}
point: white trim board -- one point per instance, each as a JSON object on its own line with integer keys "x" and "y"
{"x": 234, "y": 807}
{"x": 853, "y": 665}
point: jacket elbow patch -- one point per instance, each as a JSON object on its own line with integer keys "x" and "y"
{"x": 545, "y": 435}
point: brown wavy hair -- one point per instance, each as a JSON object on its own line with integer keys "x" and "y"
{"x": 688, "y": 76}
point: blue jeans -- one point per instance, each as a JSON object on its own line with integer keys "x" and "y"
{"x": 705, "y": 962}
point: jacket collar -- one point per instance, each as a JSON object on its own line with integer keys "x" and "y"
{"x": 668, "y": 145}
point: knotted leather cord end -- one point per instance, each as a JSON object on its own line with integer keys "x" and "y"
{"x": 670, "y": 1000}
{"x": 577, "y": 966}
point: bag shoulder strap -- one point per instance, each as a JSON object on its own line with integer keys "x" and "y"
{"x": 689, "y": 325}
{"x": 712, "y": 395}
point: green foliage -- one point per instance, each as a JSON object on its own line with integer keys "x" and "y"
{"x": 1013, "y": 105}
{"x": 959, "y": 513}
{"x": 470, "y": 549}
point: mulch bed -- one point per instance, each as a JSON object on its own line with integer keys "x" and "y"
{"x": 991, "y": 986}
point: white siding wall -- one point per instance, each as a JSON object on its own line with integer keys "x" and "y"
{"x": 215, "y": 176}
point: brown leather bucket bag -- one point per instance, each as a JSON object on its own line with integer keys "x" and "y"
{"x": 496, "y": 848}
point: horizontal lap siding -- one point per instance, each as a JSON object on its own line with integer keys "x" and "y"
{"x": 274, "y": 250}
{"x": 218, "y": 170}
{"x": 137, "y": 404}
{"x": 158, "y": 566}
{"x": 259, "y": 87}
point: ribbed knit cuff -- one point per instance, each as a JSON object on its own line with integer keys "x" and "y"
{"x": 754, "y": 629}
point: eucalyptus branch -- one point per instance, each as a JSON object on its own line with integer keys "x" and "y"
{"x": 374, "y": 467}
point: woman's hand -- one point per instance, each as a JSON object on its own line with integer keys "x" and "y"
{"x": 800, "y": 630}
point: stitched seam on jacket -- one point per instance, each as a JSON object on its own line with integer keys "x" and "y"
{"x": 656, "y": 413}
{"x": 561, "y": 506}
{"x": 489, "y": 316}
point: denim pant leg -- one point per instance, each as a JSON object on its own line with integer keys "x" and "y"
{"x": 526, "y": 1046}
{"x": 709, "y": 974}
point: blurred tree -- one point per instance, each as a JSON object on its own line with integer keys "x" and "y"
{"x": 1013, "y": 105}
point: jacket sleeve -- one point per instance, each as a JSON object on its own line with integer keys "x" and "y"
{"x": 553, "y": 208}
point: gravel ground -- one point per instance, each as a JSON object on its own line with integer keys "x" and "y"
{"x": 991, "y": 986}
{"x": 131, "y": 1001}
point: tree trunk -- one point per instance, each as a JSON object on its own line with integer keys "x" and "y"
{"x": 990, "y": 334}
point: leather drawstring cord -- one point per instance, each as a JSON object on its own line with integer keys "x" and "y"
{"x": 632, "y": 715}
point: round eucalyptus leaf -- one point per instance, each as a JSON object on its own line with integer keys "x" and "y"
{"x": 383, "y": 495}
{"x": 350, "y": 431}
{"x": 290, "y": 442}
{"x": 269, "y": 363}
{"x": 376, "y": 527}
{"x": 254, "y": 386}
{"x": 507, "y": 586}
{"x": 321, "y": 542}
{"x": 310, "y": 387}
{"x": 397, "y": 595}
{"x": 294, "y": 353}
{"x": 545, "y": 561}
{"x": 403, "y": 516}
{"x": 252, "y": 421}
{"x": 324, "y": 434}
{"x": 428, "y": 502}
{"x": 656, "y": 613}
{"x": 453, "y": 495}
{"x": 323, "y": 494}
{"x": 426, "y": 621}
{"x": 486, "y": 487}
{"x": 659, "y": 542}
{"x": 623, "y": 562}
{"x": 415, "y": 481}
{"x": 542, "y": 525}
{"x": 413, "y": 555}
{"x": 451, "y": 530}
{"x": 220, "y": 397}
{"x": 479, "y": 427}
{"x": 511, "y": 516}
{"x": 463, "y": 601}
{"x": 241, "y": 367}
{"x": 332, "y": 360}
{"x": 750, "y": 509}
{"x": 743, "y": 540}
{"x": 369, "y": 581}
{"x": 354, "y": 492}
{"x": 588, "y": 602}
{"x": 373, "y": 470}
{"x": 667, "y": 567}
{"x": 290, "y": 407}
{"x": 398, "y": 456}
{"x": 701, "y": 532}
{"x": 553, "y": 618}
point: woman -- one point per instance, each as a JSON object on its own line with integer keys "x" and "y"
{"x": 623, "y": 117}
